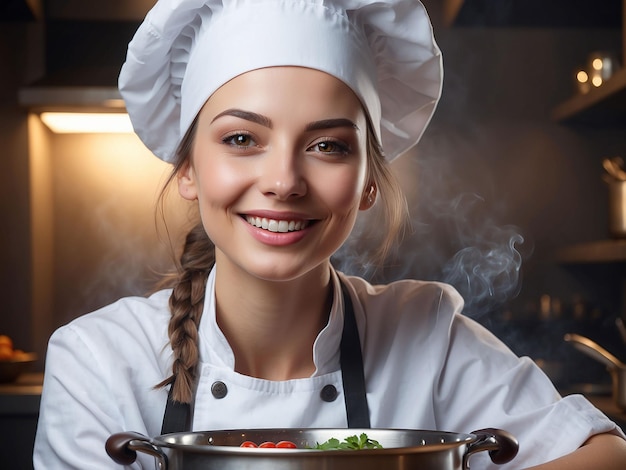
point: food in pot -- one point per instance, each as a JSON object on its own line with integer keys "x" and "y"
{"x": 349, "y": 443}
{"x": 286, "y": 445}
{"x": 270, "y": 445}
{"x": 248, "y": 444}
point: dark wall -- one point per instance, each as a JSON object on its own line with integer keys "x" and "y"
{"x": 21, "y": 59}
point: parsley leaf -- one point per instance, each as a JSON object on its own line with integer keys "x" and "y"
{"x": 349, "y": 443}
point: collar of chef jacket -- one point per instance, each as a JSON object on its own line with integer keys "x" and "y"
{"x": 215, "y": 350}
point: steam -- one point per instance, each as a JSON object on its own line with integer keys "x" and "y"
{"x": 456, "y": 241}
{"x": 487, "y": 268}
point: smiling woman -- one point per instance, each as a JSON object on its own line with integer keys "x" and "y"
{"x": 293, "y": 158}
{"x": 276, "y": 133}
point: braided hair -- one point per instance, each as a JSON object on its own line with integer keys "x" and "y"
{"x": 186, "y": 304}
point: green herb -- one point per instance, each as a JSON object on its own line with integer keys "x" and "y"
{"x": 349, "y": 443}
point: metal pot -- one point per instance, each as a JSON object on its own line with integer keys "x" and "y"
{"x": 402, "y": 449}
{"x": 616, "y": 368}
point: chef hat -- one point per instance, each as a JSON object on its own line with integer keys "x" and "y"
{"x": 186, "y": 49}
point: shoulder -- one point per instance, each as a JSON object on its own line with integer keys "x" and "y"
{"x": 405, "y": 311}
{"x": 128, "y": 320}
{"x": 406, "y": 295}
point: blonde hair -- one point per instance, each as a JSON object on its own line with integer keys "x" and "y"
{"x": 188, "y": 283}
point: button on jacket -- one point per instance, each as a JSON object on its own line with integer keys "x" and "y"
{"x": 426, "y": 366}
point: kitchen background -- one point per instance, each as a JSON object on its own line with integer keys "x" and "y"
{"x": 506, "y": 187}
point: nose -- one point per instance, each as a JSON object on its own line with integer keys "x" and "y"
{"x": 282, "y": 176}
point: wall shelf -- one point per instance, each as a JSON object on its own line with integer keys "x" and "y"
{"x": 603, "y": 106}
{"x": 601, "y": 251}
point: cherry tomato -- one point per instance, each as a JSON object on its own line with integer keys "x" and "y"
{"x": 286, "y": 445}
{"x": 248, "y": 444}
{"x": 267, "y": 445}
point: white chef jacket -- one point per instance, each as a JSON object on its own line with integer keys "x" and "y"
{"x": 426, "y": 367}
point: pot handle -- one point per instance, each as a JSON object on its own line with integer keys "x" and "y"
{"x": 502, "y": 446}
{"x": 122, "y": 448}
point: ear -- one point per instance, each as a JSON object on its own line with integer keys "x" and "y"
{"x": 369, "y": 196}
{"x": 187, "y": 183}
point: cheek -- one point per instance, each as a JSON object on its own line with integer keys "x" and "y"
{"x": 219, "y": 180}
{"x": 343, "y": 191}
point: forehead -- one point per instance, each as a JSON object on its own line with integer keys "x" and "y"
{"x": 299, "y": 90}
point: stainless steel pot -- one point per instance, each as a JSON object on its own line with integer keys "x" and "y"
{"x": 616, "y": 368}
{"x": 402, "y": 449}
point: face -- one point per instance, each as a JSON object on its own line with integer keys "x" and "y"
{"x": 278, "y": 167}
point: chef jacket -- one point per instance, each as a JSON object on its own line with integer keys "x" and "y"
{"x": 426, "y": 365}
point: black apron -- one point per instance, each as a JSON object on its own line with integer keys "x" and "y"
{"x": 177, "y": 416}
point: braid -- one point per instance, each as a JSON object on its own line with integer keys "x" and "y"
{"x": 186, "y": 304}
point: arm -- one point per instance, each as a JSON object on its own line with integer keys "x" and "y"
{"x": 76, "y": 414}
{"x": 513, "y": 394}
{"x": 601, "y": 452}
{"x": 88, "y": 394}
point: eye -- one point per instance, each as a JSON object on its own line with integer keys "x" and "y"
{"x": 239, "y": 139}
{"x": 329, "y": 146}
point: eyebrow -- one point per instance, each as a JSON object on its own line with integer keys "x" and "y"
{"x": 330, "y": 124}
{"x": 267, "y": 122}
{"x": 247, "y": 115}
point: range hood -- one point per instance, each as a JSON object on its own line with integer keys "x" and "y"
{"x": 88, "y": 89}
{"x": 82, "y": 57}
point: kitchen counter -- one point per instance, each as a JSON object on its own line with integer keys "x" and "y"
{"x": 19, "y": 412}
{"x": 22, "y": 396}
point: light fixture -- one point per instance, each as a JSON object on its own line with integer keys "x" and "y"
{"x": 87, "y": 123}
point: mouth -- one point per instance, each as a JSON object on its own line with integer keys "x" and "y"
{"x": 279, "y": 226}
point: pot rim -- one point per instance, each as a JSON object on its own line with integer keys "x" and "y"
{"x": 445, "y": 440}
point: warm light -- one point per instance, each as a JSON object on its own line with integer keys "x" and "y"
{"x": 582, "y": 76}
{"x": 597, "y": 64}
{"x": 87, "y": 123}
{"x": 597, "y": 81}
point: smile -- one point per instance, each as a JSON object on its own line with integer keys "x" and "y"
{"x": 273, "y": 225}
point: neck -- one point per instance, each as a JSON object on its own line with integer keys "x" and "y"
{"x": 271, "y": 326}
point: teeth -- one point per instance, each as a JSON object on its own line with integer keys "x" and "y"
{"x": 277, "y": 225}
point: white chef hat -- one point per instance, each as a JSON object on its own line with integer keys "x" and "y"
{"x": 186, "y": 49}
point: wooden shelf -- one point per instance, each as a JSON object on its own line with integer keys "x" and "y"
{"x": 603, "y": 106}
{"x": 602, "y": 251}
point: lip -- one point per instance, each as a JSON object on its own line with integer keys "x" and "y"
{"x": 278, "y": 215}
{"x": 278, "y": 238}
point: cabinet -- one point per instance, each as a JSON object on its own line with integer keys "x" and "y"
{"x": 533, "y": 13}
{"x": 19, "y": 411}
{"x": 20, "y": 10}
{"x": 604, "y": 106}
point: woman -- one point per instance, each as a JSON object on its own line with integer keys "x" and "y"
{"x": 275, "y": 115}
